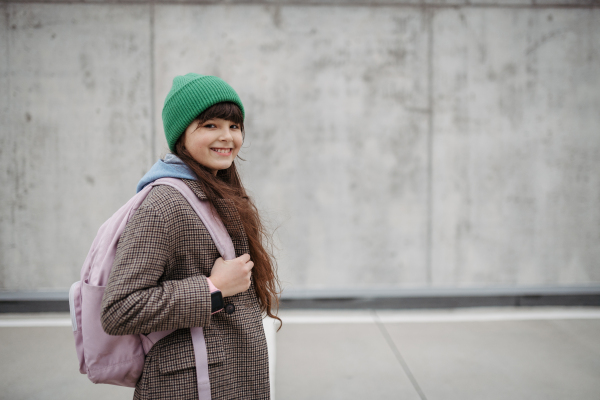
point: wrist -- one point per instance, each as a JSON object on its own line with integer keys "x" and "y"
{"x": 221, "y": 286}
{"x": 211, "y": 285}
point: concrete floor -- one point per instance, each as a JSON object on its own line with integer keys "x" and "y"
{"x": 549, "y": 353}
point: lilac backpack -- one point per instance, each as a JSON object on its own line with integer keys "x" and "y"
{"x": 119, "y": 360}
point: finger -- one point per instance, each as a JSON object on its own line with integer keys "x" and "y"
{"x": 250, "y": 265}
{"x": 244, "y": 258}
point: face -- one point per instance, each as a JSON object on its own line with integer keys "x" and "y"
{"x": 214, "y": 143}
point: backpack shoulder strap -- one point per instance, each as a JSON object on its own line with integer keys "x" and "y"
{"x": 207, "y": 214}
{"x": 222, "y": 240}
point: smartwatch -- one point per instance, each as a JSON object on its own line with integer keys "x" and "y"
{"x": 216, "y": 299}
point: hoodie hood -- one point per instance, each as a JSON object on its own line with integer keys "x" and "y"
{"x": 170, "y": 167}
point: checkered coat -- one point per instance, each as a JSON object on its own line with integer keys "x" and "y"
{"x": 158, "y": 282}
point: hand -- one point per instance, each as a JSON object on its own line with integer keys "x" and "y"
{"x": 232, "y": 276}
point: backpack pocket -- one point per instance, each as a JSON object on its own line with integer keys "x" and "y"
{"x": 75, "y": 309}
{"x": 117, "y": 360}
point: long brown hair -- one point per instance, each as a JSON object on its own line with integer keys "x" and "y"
{"x": 228, "y": 185}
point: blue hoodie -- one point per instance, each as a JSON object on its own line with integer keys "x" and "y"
{"x": 170, "y": 167}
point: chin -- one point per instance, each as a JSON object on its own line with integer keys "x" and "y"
{"x": 222, "y": 166}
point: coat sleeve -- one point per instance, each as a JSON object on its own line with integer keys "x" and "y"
{"x": 135, "y": 301}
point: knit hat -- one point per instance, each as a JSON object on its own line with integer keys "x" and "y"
{"x": 190, "y": 95}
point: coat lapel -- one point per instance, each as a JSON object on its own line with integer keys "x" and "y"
{"x": 233, "y": 222}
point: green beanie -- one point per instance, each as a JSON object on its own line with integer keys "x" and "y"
{"x": 190, "y": 95}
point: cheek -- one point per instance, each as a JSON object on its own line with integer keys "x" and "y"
{"x": 238, "y": 142}
{"x": 195, "y": 143}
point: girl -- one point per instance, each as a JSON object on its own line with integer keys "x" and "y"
{"x": 168, "y": 274}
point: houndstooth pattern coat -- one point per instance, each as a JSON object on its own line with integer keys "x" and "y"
{"x": 158, "y": 282}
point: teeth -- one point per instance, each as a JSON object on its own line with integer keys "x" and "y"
{"x": 222, "y": 150}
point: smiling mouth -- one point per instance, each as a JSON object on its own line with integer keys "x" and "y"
{"x": 222, "y": 151}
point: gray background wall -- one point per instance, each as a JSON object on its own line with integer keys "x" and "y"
{"x": 397, "y": 145}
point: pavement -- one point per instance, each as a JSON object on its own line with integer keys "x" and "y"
{"x": 480, "y": 353}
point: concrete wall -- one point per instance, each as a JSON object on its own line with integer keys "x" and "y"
{"x": 393, "y": 145}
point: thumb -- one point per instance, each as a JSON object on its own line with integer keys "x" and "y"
{"x": 244, "y": 258}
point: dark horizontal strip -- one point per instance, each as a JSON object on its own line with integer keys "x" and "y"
{"x": 33, "y": 306}
{"x": 376, "y": 303}
{"x": 400, "y": 303}
{"x": 367, "y": 293}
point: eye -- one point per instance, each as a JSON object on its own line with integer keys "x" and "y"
{"x": 209, "y": 126}
{"x": 234, "y": 127}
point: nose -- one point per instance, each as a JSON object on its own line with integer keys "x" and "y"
{"x": 226, "y": 135}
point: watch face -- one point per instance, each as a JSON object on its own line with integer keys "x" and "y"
{"x": 216, "y": 301}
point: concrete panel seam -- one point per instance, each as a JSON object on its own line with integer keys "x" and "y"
{"x": 152, "y": 88}
{"x": 429, "y": 240}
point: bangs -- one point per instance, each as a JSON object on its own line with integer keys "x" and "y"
{"x": 226, "y": 110}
